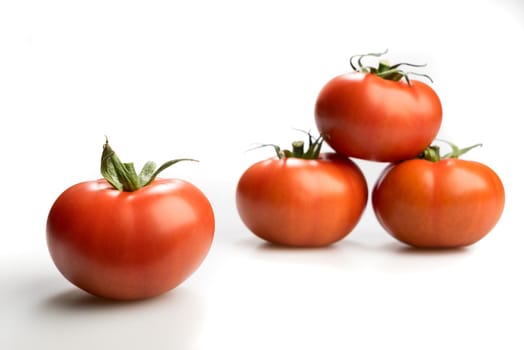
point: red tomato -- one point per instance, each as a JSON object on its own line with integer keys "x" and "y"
{"x": 444, "y": 204}
{"x": 365, "y": 116}
{"x": 129, "y": 244}
{"x": 302, "y": 202}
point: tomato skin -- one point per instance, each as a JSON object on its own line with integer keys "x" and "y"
{"x": 364, "y": 116}
{"x": 129, "y": 245}
{"x": 300, "y": 202}
{"x": 447, "y": 204}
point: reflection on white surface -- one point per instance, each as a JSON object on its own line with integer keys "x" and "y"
{"x": 53, "y": 314}
{"x": 368, "y": 291}
{"x": 356, "y": 295}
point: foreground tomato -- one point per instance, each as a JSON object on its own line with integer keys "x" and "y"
{"x": 134, "y": 242}
{"x": 438, "y": 202}
{"x": 302, "y": 199}
{"x": 371, "y": 114}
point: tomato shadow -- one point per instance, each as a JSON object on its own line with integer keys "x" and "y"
{"x": 338, "y": 255}
{"x": 164, "y": 322}
{"x": 266, "y": 246}
{"x": 399, "y": 258}
{"x": 407, "y": 250}
{"x": 74, "y": 299}
{"x": 275, "y": 247}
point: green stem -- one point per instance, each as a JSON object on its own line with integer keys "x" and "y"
{"x": 384, "y": 70}
{"x": 432, "y": 153}
{"x": 298, "y": 150}
{"x": 123, "y": 176}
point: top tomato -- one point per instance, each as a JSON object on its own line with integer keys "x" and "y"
{"x": 371, "y": 114}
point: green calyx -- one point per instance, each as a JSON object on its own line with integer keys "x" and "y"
{"x": 432, "y": 153}
{"x": 385, "y": 70}
{"x": 123, "y": 176}
{"x": 298, "y": 151}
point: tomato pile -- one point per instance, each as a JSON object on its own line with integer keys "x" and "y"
{"x": 132, "y": 235}
{"x": 308, "y": 198}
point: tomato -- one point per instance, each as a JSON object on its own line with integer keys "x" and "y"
{"x": 302, "y": 202}
{"x": 445, "y": 203}
{"x": 129, "y": 244}
{"x": 372, "y": 116}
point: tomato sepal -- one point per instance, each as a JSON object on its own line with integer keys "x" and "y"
{"x": 123, "y": 176}
{"x": 312, "y": 152}
{"x": 432, "y": 152}
{"x": 384, "y": 69}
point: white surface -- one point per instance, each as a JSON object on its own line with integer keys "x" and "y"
{"x": 206, "y": 79}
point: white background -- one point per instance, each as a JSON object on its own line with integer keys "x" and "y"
{"x": 207, "y": 79}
